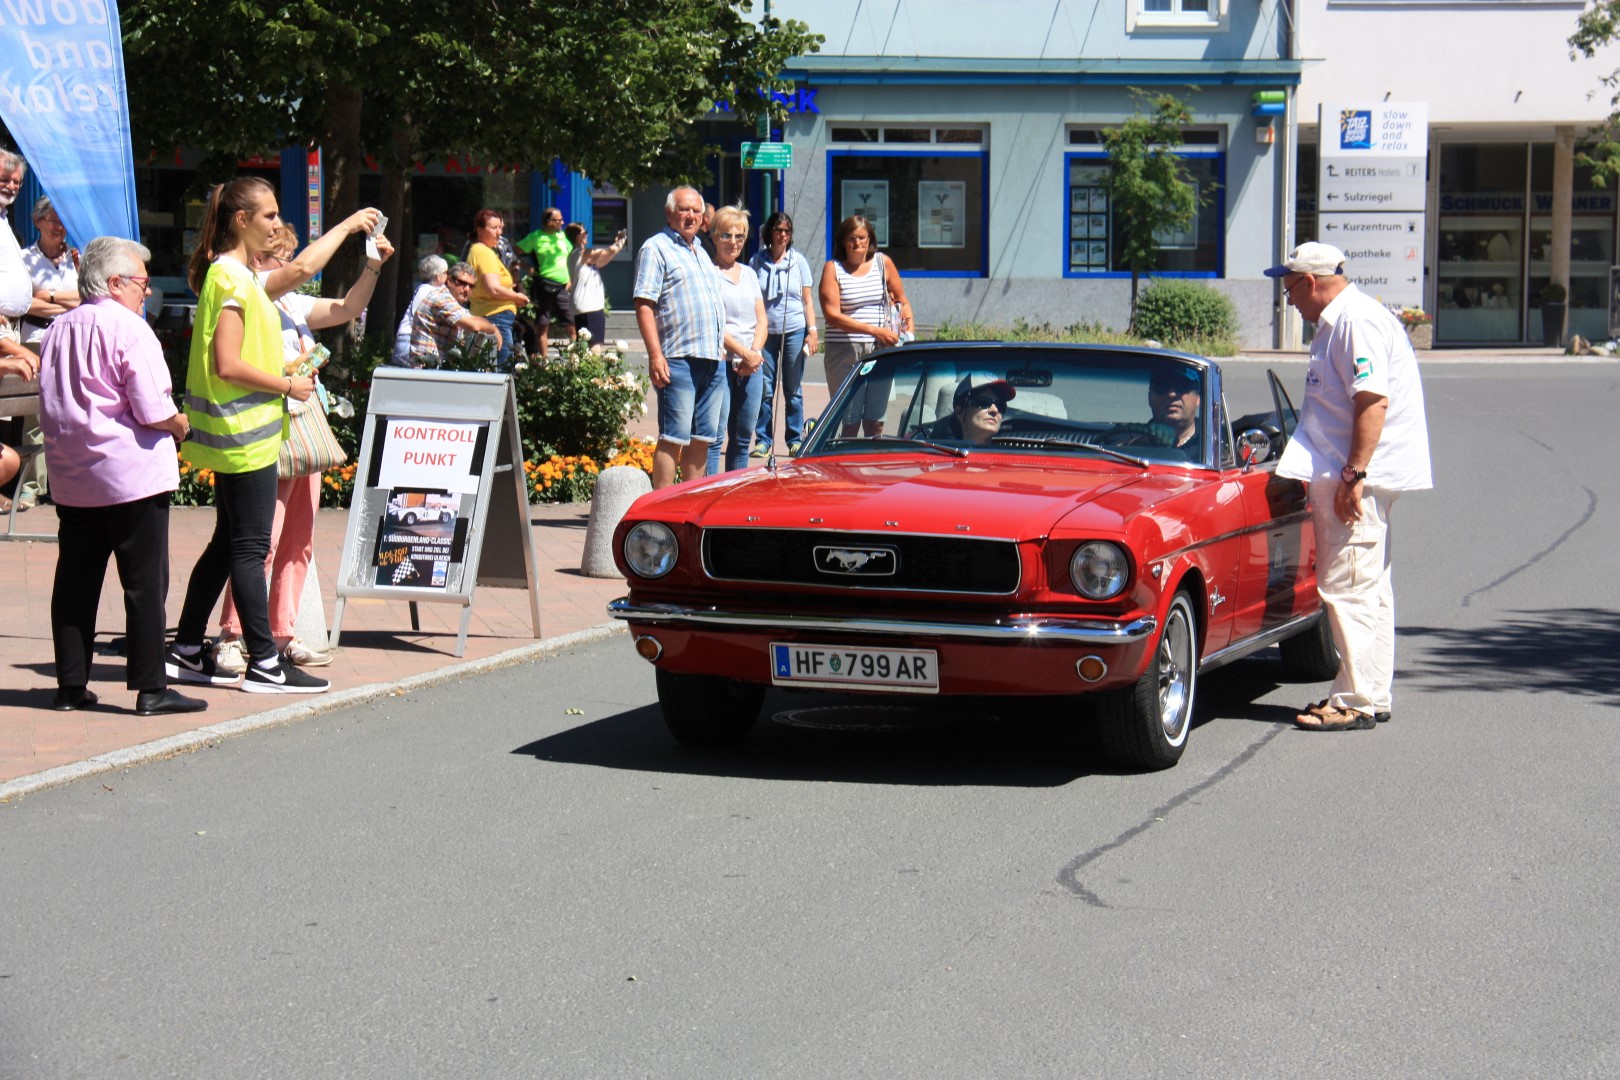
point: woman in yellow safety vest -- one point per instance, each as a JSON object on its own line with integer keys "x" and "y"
{"x": 236, "y": 399}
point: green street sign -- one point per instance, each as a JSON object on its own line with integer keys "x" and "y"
{"x": 767, "y": 155}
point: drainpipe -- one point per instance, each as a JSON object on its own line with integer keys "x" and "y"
{"x": 1285, "y": 330}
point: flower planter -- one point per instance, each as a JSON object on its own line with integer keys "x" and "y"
{"x": 1422, "y": 335}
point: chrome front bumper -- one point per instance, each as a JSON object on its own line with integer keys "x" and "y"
{"x": 1089, "y": 632}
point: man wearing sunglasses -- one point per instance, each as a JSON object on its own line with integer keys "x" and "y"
{"x": 1362, "y": 440}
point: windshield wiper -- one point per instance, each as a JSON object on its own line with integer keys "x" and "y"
{"x": 1058, "y": 442}
{"x": 952, "y": 451}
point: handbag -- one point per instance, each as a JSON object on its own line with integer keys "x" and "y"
{"x": 310, "y": 448}
{"x": 895, "y": 317}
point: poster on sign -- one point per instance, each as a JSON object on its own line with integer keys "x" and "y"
{"x": 419, "y": 539}
{"x": 428, "y": 454}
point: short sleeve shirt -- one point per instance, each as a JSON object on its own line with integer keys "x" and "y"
{"x": 680, "y": 281}
{"x": 484, "y": 261}
{"x": 1360, "y": 346}
{"x": 782, "y": 283}
{"x": 741, "y": 300}
{"x": 433, "y": 327}
{"x": 550, "y": 251}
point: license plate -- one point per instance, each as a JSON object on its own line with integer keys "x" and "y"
{"x": 913, "y": 671}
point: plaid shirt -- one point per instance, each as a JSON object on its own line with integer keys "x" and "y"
{"x": 684, "y": 287}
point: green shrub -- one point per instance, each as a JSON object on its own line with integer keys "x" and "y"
{"x": 1170, "y": 309}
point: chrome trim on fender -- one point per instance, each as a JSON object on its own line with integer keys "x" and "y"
{"x": 1259, "y": 641}
{"x": 1018, "y": 628}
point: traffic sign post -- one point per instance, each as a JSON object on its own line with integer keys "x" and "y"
{"x": 767, "y": 155}
{"x": 1383, "y": 253}
{"x": 1372, "y": 191}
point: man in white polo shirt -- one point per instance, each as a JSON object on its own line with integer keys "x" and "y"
{"x": 1362, "y": 440}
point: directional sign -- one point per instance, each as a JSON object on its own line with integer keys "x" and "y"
{"x": 1391, "y": 183}
{"x": 767, "y": 155}
{"x": 1383, "y": 253}
{"x": 1373, "y": 156}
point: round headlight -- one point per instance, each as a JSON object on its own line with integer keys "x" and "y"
{"x": 650, "y": 549}
{"x": 1099, "y": 570}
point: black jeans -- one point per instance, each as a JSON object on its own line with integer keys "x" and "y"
{"x": 137, "y": 535}
{"x": 246, "y": 510}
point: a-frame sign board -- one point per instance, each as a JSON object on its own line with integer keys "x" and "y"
{"x": 439, "y": 490}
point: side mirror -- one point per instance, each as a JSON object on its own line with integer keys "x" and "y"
{"x": 1254, "y": 446}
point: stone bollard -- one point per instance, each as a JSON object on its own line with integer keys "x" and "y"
{"x": 616, "y": 489}
{"x": 310, "y": 626}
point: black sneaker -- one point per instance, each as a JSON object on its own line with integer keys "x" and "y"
{"x": 196, "y": 669}
{"x": 282, "y": 679}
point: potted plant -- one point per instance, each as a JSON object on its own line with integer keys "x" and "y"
{"x": 1419, "y": 327}
{"x": 1554, "y": 303}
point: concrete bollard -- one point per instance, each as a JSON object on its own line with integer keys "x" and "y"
{"x": 310, "y": 626}
{"x": 616, "y": 489}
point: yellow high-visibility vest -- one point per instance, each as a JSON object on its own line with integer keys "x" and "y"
{"x": 234, "y": 429}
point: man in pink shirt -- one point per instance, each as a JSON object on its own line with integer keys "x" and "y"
{"x": 106, "y": 406}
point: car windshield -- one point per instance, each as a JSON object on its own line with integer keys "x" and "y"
{"x": 1141, "y": 406}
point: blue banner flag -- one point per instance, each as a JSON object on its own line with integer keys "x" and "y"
{"x": 63, "y": 97}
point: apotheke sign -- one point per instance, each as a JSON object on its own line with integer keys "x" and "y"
{"x": 1383, "y": 254}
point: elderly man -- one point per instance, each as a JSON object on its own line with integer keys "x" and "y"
{"x": 441, "y": 319}
{"x": 111, "y": 427}
{"x": 682, "y": 322}
{"x": 16, "y": 289}
{"x": 1362, "y": 440}
{"x": 53, "y": 269}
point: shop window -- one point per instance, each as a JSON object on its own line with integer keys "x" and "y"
{"x": 928, "y": 208}
{"x": 1089, "y": 223}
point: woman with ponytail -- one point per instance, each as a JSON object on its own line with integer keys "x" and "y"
{"x": 236, "y": 401}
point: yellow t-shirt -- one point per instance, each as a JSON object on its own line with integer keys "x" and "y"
{"x": 483, "y": 260}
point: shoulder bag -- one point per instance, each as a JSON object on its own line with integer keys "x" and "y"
{"x": 310, "y": 448}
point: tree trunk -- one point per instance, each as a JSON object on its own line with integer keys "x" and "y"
{"x": 395, "y": 203}
{"x": 342, "y": 151}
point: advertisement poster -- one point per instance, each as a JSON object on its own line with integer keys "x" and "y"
{"x": 1186, "y": 237}
{"x": 870, "y": 199}
{"x": 430, "y": 455}
{"x": 418, "y": 539}
{"x": 941, "y": 213}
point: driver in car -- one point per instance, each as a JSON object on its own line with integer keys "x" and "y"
{"x": 1174, "y": 396}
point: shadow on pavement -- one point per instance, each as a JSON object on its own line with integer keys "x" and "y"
{"x": 1559, "y": 650}
{"x": 831, "y": 737}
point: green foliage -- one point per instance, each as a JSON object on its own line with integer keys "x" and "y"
{"x": 1092, "y": 333}
{"x": 620, "y": 83}
{"x": 1146, "y": 182}
{"x": 1596, "y": 28}
{"x": 1172, "y": 309}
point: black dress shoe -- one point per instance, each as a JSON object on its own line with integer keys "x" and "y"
{"x": 158, "y": 702}
{"x": 69, "y": 698}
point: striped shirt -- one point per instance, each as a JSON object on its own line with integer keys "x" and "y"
{"x": 684, "y": 288}
{"x": 861, "y": 297}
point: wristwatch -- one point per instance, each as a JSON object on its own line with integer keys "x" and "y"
{"x": 1352, "y": 476}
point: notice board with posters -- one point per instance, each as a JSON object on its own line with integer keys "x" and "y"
{"x": 440, "y": 504}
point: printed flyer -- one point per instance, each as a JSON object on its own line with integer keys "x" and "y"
{"x": 418, "y": 540}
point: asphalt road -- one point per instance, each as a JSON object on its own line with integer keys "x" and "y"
{"x": 479, "y": 881}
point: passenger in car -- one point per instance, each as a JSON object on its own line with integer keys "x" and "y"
{"x": 977, "y": 410}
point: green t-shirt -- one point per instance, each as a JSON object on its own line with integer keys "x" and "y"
{"x": 550, "y": 251}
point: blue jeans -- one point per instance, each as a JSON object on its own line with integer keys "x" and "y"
{"x": 505, "y": 322}
{"x": 737, "y": 420}
{"x": 688, "y": 407}
{"x": 789, "y": 371}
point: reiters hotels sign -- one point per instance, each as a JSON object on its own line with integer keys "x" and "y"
{"x": 1372, "y": 188}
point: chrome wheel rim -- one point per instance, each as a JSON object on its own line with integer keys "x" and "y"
{"x": 1176, "y": 673}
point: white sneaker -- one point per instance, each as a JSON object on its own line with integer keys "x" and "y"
{"x": 230, "y": 656}
{"x": 298, "y": 653}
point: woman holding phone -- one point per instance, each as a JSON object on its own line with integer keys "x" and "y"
{"x": 237, "y": 391}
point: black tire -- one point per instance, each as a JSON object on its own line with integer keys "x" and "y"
{"x": 409, "y": 518}
{"x": 1145, "y": 726}
{"x": 1310, "y": 655}
{"x": 707, "y": 710}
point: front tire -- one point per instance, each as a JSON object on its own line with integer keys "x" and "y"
{"x": 1145, "y": 726}
{"x": 708, "y": 710}
{"x": 1310, "y": 655}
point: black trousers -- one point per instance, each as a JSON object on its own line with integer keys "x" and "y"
{"x": 245, "y": 513}
{"x": 136, "y": 534}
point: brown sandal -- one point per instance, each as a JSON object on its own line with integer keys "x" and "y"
{"x": 1330, "y": 718}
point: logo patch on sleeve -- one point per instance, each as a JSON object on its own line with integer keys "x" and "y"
{"x": 1364, "y": 368}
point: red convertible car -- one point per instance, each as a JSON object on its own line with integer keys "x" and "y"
{"x": 1081, "y": 523}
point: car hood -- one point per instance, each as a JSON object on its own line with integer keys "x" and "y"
{"x": 1000, "y": 496}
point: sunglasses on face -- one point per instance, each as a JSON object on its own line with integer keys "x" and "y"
{"x": 985, "y": 401}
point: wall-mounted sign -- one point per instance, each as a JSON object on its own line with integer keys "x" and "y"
{"x": 767, "y": 155}
{"x": 869, "y": 199}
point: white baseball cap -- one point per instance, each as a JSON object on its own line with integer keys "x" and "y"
{"x": 1318, "y": 260}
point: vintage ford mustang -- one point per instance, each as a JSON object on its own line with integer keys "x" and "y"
{"x": 988, "y": 519}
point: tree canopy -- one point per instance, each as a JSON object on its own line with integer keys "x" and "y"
{"x": 1146, "y": 184}
{"x": 1598, "y": 26}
